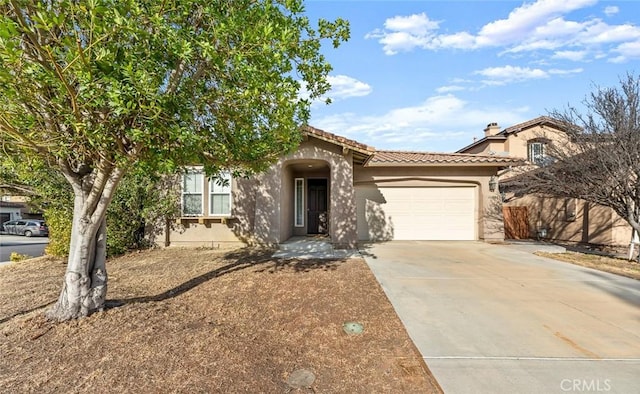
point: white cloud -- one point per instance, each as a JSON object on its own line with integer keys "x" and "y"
{"x": 450, "y": 88}
{"x": 526, "y": 19}
{"x": 508, "y": 74}
{"x": 575, "y": 56}
{"x": 618, "y": 59}
{"x": 437, "y": 119}
{"x": 403, "y": 33}
{"x": 498, "y": 76}
{"x": 557, "y": 71}
{"x": 611, "y": 10}
{"x": 417, "y": 24}
{"x": 598, "y": 32}
{"x": 343, "y": 87}
{"x": 537, "y": 26}
{"x": 628, "y": 50}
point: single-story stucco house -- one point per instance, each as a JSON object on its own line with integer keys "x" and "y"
{"x": 349, "y": 191}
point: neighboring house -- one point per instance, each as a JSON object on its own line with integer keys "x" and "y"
{"x": 16, "y": 207}
{"x": 349, "y": 191}
{"x": 531, "y": 216}
{"x": 10, "y": 211}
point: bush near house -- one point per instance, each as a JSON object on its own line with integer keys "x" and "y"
{"x": 141, "y": 203}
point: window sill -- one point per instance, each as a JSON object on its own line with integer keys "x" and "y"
{"x": 205, "y": 219}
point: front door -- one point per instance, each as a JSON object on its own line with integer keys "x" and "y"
{"x": 317, "y": 217}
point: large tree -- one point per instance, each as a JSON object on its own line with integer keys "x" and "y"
{"x": 94, "y": 87}
{"x": 598, "y": 157}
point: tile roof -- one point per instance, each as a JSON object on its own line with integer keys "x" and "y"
{"x": 532, "y": 122}
{"x": 540, "y": 120}
{"x": 399, "y": 158}
{"x": 371, "y": 157}
{"x": 336, "y": 139}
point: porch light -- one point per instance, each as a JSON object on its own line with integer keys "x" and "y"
{"x": 493, "y": 183}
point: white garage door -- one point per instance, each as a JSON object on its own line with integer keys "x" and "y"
{"x": 416, "y": 213}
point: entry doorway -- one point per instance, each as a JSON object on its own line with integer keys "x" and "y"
{"x": 317, "y": 206}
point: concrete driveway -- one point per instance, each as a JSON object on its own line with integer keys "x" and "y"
{"x": 496, "y": 319}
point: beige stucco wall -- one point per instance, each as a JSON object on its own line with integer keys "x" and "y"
{"x": 488, "y": 215}
{"x": 286, "y": 203}
{"x": 592, "y": 224}
{"x": 217, "y": 231}
{"x": 263, "y": 208}
{"x": 340, "y": 189}
{"x": 574, "y": 220}
{"x": 274, "y": 199}
{"x": 488, "y": 147}
{"x": 621, "y": 231}
{"x": 517, "y": 143}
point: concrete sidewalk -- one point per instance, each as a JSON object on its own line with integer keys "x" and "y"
{"x": 498, "y": 319}
{"x": 312, "y": 247}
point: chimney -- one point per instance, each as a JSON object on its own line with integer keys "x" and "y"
{"x": 492, "y": 129}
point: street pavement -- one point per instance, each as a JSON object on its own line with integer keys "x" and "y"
{"x": 498, "y": 319}
{"x": 31, "y": 246}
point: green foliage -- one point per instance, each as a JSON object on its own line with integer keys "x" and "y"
{"x": 164, "y": 82}
{"x": 139, "y": 204}
{"x": 91, "y": 90}
{"x": 59, "y": 220}
{"x": 15, "y": 257}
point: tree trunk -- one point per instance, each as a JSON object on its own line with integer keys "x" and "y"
{"x": 84, "y": 288}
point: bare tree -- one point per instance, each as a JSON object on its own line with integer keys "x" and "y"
{"x": 598, "y": 158}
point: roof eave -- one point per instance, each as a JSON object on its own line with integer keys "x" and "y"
{"x": 496, "y": 137}
{"x": 446, "y": 164}
{"x": 345, "y": 145}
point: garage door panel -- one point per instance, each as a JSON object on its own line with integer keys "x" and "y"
{"x": 416, "y": 213}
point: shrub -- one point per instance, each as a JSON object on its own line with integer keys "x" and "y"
{"x": 59, "y": 222}
{"x": 15, "y": 256}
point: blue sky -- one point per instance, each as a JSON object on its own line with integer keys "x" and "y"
{"x": 430, "y": 75}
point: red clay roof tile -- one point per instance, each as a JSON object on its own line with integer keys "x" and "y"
{"x": 402, "y": 158}
{"x": 326, "y": 136}
{"x": 429, "y": 158}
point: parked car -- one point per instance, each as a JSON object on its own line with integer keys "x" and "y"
{"x": 26, "y": 227}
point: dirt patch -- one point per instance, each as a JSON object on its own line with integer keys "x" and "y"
{"x": 614, "y": 265}
{"x": 184, "y": 320}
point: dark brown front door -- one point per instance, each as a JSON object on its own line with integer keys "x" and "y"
{"x": 317, "y": 220}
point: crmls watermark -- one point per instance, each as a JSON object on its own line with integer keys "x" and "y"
{"x": 585, "y": 385}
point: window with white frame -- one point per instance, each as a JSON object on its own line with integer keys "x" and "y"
{"x": 298, "y": 202}
{"x": 536, "y": 152}
{"x": 192, "y": 193}
{"x": 220, "y": 195}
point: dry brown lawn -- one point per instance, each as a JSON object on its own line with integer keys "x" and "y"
{"x": 614, "y": 265}
{"x": 186, "y": 321}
